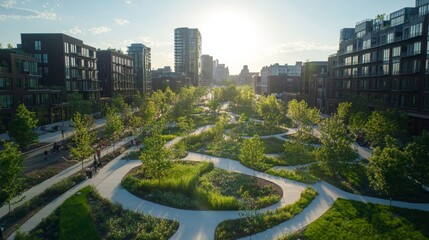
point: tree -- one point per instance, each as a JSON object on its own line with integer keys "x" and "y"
{"x": 252, "y": 151}
{"x": 82, "y": 138}
{"x": 336, "y": 153}
{"x": 245, "y": 97}
{"x": 229, "y": 93}
{"x": 271, "y": 111}
{"x": 380, "y": 124}
{"x": 184, "y": 104}
{"x": 11, "y": 179}
{"x": 114, "y": 125}
{"x": 148, "y": 112}
{"x": 22, "y": 126}
{"x": 78, "y": 104}
{"x": 304, "y": 116}
{"x": 185, "y": 124}
{"x": 156, "y": 158}
{"x": 250, "y": 212}
{"x": 135, "y": 123}
{"x": 214, "y": 105}
{"x": 388, "y": 170}
{"x": 418, "y": 151}
{"x": 357, "y": 124}
{"x": 137, "y": 100}
{"x": 343, "y": 111}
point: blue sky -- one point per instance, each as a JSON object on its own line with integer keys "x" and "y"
{"x": 237, "y": 32}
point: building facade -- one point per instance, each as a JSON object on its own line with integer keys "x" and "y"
{"x": 386, "y": 59}
{"x": 20, "y": 83}
{"x": 206, "y": 69}
{"x": 142, "y": 67}
{"x": 164, "y": 77}
{"x": 116, "y": 74}
{"x": 64, "y": 62}
{"x": 187, "y": 53}
{"x": 313, "y": 83}
{"x": 220, "y": 72}
{"x": 290, "y": 76}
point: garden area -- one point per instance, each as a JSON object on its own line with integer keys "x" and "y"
{"x": 86, "y": 215}
{"x": 349, "y": 219}
{"x": 190, "y": 185}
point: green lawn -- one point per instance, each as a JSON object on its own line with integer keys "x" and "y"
{"x": 86, "y": 215}
{"x": 190, "y": 185}
{"x": 238, "y": 228}
{"x": 300, "y": 175}
{"x": 273, "y": 145}
{"x": 356, "y": 220}
{"x": 203, "y": 120}
{"x": 248, "y": 111}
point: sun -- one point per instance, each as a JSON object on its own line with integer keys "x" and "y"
{"x": 229, "y": 35}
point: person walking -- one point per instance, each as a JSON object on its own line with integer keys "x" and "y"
{"x": 99, "y": 155}
{"x": 46, "y": 154}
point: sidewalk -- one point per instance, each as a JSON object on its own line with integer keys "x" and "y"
{"x": 36, "y": 190}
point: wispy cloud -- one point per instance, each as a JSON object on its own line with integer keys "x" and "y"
{"x": 121, "y": 21}
{"x": 303, "y": 46}
{"x": 75, "y": 30}
{"x": 8, "y": 10}
{"x": 150, "y": 42}
{"x": 99, "y": 30}
{"x": 128, "y": 1}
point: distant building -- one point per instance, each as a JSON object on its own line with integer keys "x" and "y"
{"x": 245, "y": 76}
{"x": 313, "y": 82}
{"x": 20, "y": 82}
{"x": 64, "y": 63}
{"x": 385, "y": 59}
{"x": 116, "y": 74}
{"x": 288, "y": 80}
{"x": 142, "y": 67}
{"x": 206, "y": 69}
{"x": 164, "y": 77}
{"x": 187, "y": 53}
{"x": 220, "y": 72}
{"x": 256, "y": 84}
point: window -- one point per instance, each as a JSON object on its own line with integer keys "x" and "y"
{"x": 66, "y": 47}
{"x": 366, "y": 58}
{"x": 349, "y": 48}
{"x": 5, "y": 83}
{"x": 386, "y": 55}
{"x": 396, "y": 52}
{"x": 43, "y": 98}
{"x": 416, "y": 30}
{"x": 45, "y": 58}
{"x": 367, "y": 44}
{"x": 348, "y": 61}
{"x": 38, "y": 57}
{"x": 5, "y": 101}
{"x": 390, "y": 37}
{"x": 416, "y": 48}
{"x": 395, "y": 68}
{"x": 37, "y": 45}
{"x": 385, "y": 69}
{"x": 365, "y": 71}
{"x": 355, "y": 60}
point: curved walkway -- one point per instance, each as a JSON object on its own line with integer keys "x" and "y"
{"x": 202, "y": 224}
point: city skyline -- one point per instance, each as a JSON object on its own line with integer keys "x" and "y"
{"x": 238, "y": 33}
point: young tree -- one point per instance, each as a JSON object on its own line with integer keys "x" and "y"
{"x": 138, "y": 99}
{"x": 22, "y": 126}
{"x": 271, "y": 111}
{"x": 418, "y": 151}
{"x": 214, "y": 105}
{"x": 136, "y": 122}
{"x": 245, "y": 97}
{"x": 304, "y": 116}
{"x": 156, "y": 158}
{"x": 148, "y": 113}
{"x": 11, "y": 179}
{"x": 388, "y": 170}
{"x": 114, "y": 125}
{"x": 343, "y": 111}
{"x": 357, "y": 124}
{"x": 82, "y": 138}
{"x": 185, "y": 124}
{"x": 381, "y": 124}
{"x": 336, "y": 153}
{"x": 252, "y": 151}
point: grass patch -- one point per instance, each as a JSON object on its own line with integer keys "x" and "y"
{"x": 297, "y": 154}
{"x": 300, "y": 175}
{"x": 349, "y": 219}
{"x": 312, "y": 140}
{"x": 197, "y": 110}
{"x": 236, "y": 228}
{"x": 203, "y": 120}
{"x": 191, "y": 185}
{"x": 273, "y": 145}
{"x": 262, "y": 130}
{"x": 248, "y": 111}
{"x": 99, "y": 219}
{"x": 21, "y": 214}
{"x": 75, "y": 218}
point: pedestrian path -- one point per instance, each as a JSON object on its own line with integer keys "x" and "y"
{"x": 36, "y": 190}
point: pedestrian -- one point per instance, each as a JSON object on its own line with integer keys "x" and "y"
{"x": 94, "y": 165}
{"x": 137, "y": 144}
{"x": 62, "y": 133}
{"x": 99, "y": 155}
{"x": 46, "y": 154}
{"x": 95, "y": 156}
